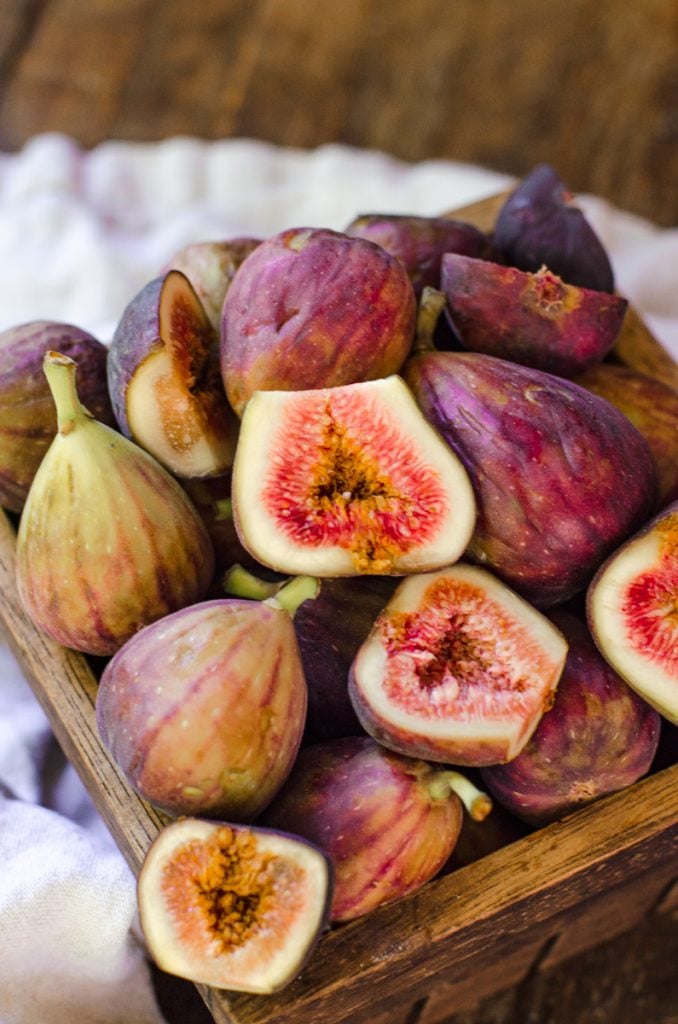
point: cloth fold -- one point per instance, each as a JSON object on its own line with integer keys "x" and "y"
{"x": 80, "y": 233}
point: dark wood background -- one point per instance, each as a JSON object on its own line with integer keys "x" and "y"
{"x": 589, "y": 85}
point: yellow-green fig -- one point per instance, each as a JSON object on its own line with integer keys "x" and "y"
{"x": 108, "y": 541}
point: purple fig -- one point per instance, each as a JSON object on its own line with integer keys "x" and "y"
{"x": 211, "y": 267}
{"x": 28, "y": 420}
{"x": 231, "y": 906}
{"x": 533, "y": 319}
{"x": 539, "y": 224}
{"x": 561, "y": 476}
{"x": 164, "y": 380}
{"x": 388, "y": 823}
{"x": 203, "y": 711}
{"x": 419, "y": 242}
{"x": 312, "y": 308}
{"x": 598, "y": 738}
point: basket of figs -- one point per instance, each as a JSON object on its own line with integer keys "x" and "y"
{"x": 347, "y": 573}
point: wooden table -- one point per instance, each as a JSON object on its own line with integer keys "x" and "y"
{"x": 589, "y": 85}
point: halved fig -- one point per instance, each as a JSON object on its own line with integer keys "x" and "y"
{"x": 533, "y": 319}
{"x": 348, "y": 480}
{"x": 231, "y": 906}
{"x": 457, "y": 669}
{"x": 632, "y": 606}
{"x": 165, "y": 383}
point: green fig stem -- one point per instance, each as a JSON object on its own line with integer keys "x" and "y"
{"x": 431, "y": 305}
{"x": 294, "y": 593}
{"x": 60, "y": 373}
{"x": 477, "y": 803}
{"x": 241, "y": 583}
{"x": 223, "y": 509}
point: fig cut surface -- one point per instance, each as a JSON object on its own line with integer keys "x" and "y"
{"x": 347, "y": 481}
{"x": 457, "y": 669}
{"x": 234, "y": 907}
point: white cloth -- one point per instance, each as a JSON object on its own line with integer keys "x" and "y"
{"x": 80, "y": 234}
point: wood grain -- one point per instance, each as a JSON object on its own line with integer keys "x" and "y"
{"x": 588, "y": 85}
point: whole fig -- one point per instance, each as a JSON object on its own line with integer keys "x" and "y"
{"x": 211, "y": 267}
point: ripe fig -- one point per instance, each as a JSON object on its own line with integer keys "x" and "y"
{"x": 388, "y": 823}
{"x": 312, "y": 308}
{"x": 457, "y": 669}
{"x": 203, "y": 711}
{"x": 652, "y": 407}
{"x": 419, "y": 242}
{"x": 108, "y": 541}
{"x": 27, "y": 418}
{"x": 533, "y": 319}
{"x": 348, "y": 480}
{"x": 632, "y": 607}
{"x": 230, "y": 906}
{"x": 561, "y": 476}
{"x": 540, "y": 224}
{"x": 164, "y": 380}
{"x": 598, "y": 738}
{"x": 211, "y": 267}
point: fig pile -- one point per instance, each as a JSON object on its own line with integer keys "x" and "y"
{"x": 328, "y": 560}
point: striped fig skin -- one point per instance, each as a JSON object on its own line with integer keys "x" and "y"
{"x": 108, "y": 542}
{"x": 204, "y": 710}
{"x": 372, "y": 812}
{"x": 27, "y": 417}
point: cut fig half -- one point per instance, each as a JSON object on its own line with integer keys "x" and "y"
{"x": 234, "y": 907}
{"x": 457, "y": 669}
{"x": 347, "y": 481}
{"x": 165, "y": 382}
{"x": 632, "y": 607}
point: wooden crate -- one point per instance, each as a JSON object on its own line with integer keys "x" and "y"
{"x": 526, "y": 907}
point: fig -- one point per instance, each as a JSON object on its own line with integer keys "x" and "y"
{"x": 632, "y": 606}
{"x": 540, "y": 224}
{"x": 561, "y": 476}
{"x": 457, "y": 668}
{"x": 203, "y": 711}
{"x": 27, "y": 418}
{"x": 652, "y": 407}
{"x": 387, "y": 822}
{"x": 598, "y": 738}
{"x": 313, "y": 308}
{"x": 211, "y": 497}
{"x": 211, "y": 267}
{"x": 533, "y": 319}
{"x": 165, "y": 383}
{"x": 419, "y": 242}
{"x": 232, "y": 906}
{"x": 348, "y": 480}
{"x": 108, "y": 541}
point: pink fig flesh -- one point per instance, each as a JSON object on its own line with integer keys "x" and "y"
{"x": 598, "y": 738}
{"x": 457, "y": 669}
{"x": 312, "y": 308}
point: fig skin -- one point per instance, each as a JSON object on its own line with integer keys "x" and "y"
{"x": 387, "y": 822}
{"x": 211, "y": 267}
{"x": 233, "y": 907}
{"x": 203, "y": 711}
{"x": 652, "y": 407}
{"x": 312, "y": 308}
{"x": 28, "y": 421}
{"x": 598, "y": 738}
{"x": 211, "y": 497}
{"x": 108, "y": 541}
{"x": 631, "y": 611}
{"x": 164, "y": 380}
{"x": 540, "y": 225}
{"x": 420, "y": 242}
{"x": 532, "y": 319}
{"x": 561, "y": 476}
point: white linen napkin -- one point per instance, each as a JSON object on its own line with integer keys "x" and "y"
{"x": 80, "y": 234}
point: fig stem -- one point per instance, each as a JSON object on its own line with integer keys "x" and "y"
{"x": 431, "y": 305}
{"x": 223, "y": 509}
{"x": 294, "y": 593}
{"x": 241, "y": 583}
{"x": 477, "y": 803}
{"x": 60, "y": 372}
